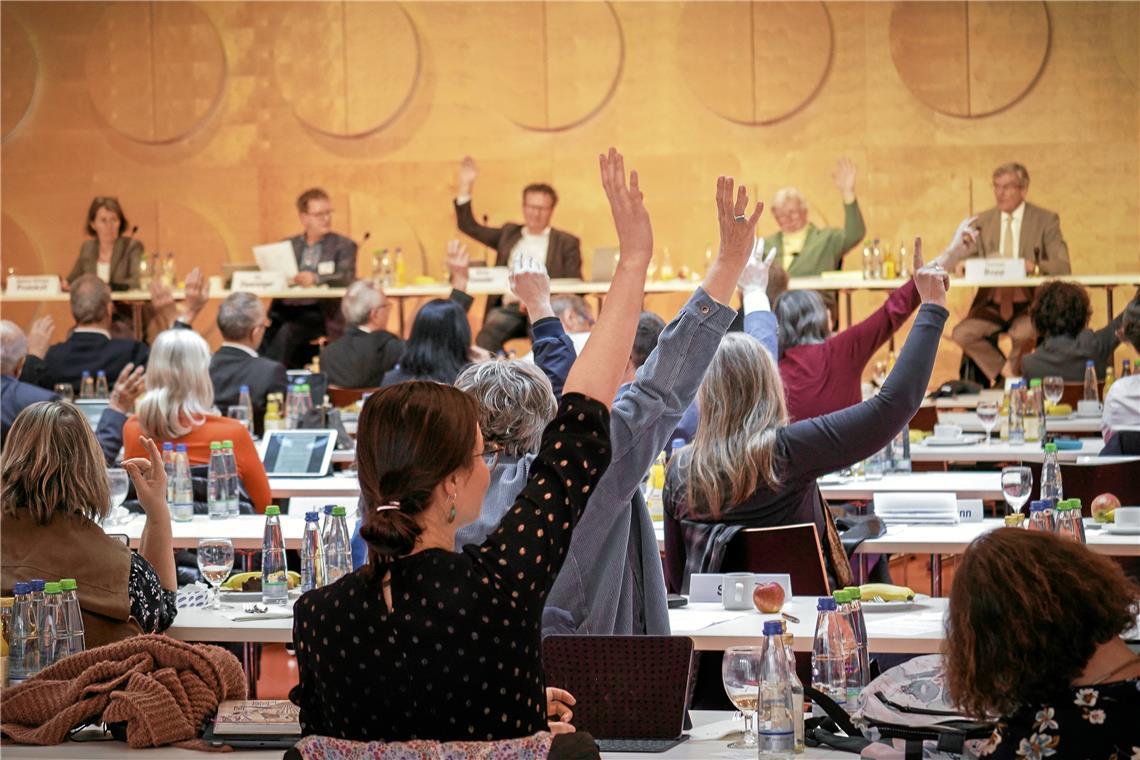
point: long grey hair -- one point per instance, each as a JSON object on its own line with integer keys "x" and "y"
{"x": 802, "y": 317}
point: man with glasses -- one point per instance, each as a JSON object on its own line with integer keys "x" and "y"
{"x": 1012, "y": 229}
{"x": 534, "y": 240}
{"x": 323, "y": 258}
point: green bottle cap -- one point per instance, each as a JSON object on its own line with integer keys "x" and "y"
{"x": 68, "y": 584}
{"x": 1051, "y": 448}
{"x": 272, "y": 509}
{"x": 841, "y": 597}
{"x": 215, "y": 446}
{"x": 339, "y": 511}
{"x": 52, "y": 588}
{"x": 1035, "y": 382}
{"x": 854, "y": 592}
{"x": 227, "y": 444}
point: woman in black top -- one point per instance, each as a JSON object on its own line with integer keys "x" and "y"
{"x": 438, "y": 347}
{"x": 427, "y": 643}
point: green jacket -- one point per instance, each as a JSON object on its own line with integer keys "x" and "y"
{"x": 823, "y": 248}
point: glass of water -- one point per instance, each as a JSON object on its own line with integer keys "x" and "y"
{"x": 215, "y": 561}
{"x": 1016, "y": 485}
{"x": 1053, "y": 387}
{"x": 987, "y": 414}
{"x": 740, "y": 672}
{"x": 119, "y": 483}
{"x": 241, "y": 413}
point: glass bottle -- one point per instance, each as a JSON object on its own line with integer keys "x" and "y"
{"x": 829, "y": 655}
{"x": 182, "y": 508}
{"x": 338, "y": 546}
{"x": 1041, "y": 516}
{"x": 1090, "y": 390}
{"x": 233, "y": 480}
{"x": 1051, "y": 487}
{"x": 86, "y": 385}
{"x": 216, "y": 485}
{"x": 53, "y": 627}
{"x": 101, "y": 390}
{"x": 1069, "y": 522}
{"x": 274, "y": 563}
{"x": 73, "y": 613}
{"x": 312, "y": 554}
{"x": 775, "y": 707}
{"x": 797, "y": 694}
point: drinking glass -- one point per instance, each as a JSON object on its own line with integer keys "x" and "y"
{"x": 987, "y": 414}
{"x": 241, "y": 413}
{"x": 740, "y": 672}
{"x": 215, "y": 561}
{"x": 64, "y": 391}
{"x": 119, "y": 483}
{"x": 1054, "y": 388}
{"x": 1016, "y": 484}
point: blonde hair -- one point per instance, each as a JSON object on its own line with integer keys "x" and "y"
{"x": 52, "y": 462}
{"x": 742, "y": 408}
{"x": 179, "y": 393}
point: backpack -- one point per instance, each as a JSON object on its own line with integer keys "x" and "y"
{"x": 905, "y": 713}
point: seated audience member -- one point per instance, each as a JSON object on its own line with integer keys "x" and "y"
{"x": 1056, "y": 675}
{"x": 822, "y": 372}
{"x": 749, "y": 467}
{"x": 1121, "y": 417}
{"x": 242, "y": 321}
{"x": 461, "y": 619}
{"x": 179, "y": 407}
{"x": 439, "y": 346}
{"x": 1060, "y": 314}
{"x": 576, "y": 316}
{"x": 54, "y": 488}
{"x": 90, "y": 346}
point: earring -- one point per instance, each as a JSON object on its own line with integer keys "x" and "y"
{"x": 451, "y": 514}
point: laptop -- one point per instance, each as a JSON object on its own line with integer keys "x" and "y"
{"x": 92, "y": 409}
{"x": 298, "y": 453}
{"x": 630, "y": 691}
{"x": 604, "y": 265}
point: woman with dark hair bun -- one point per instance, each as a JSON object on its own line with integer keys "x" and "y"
{"x": 108, "y": 254}
{"x": 428, "y": 643}
{"x": 438, "y": 348}
{"x": 1033, "y": 640}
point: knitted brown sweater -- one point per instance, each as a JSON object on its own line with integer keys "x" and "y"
{"x": 164, "y": 689}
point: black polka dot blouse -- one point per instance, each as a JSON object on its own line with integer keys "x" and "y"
{"x": 458, "y": 656}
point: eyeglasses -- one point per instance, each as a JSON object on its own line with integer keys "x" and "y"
{"x": 321, "y": 214}
{"x": 532, "y": 207}
{"x": 491, "y": 454}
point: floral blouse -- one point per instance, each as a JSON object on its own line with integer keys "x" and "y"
{"x": 1100, "y": 721}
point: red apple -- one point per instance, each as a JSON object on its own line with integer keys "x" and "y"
{"x": 1103, "y": 504}
{"x": 768, "y": 597}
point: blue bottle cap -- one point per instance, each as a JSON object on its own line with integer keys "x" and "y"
{"x": 244, "y": 389}
{"x": 1090, "y": 363}
{"x": 677, "y": 443}
{"x": 329, "y": 509}
{"x": 313, "y": 516}
{"x": 1041, "y": 505}
{"x": 773, "y": 628}
{"x": 167, "y": 446}
{"x": 100, "y": 373}
{"x": 36, "y": 584}
{"x": 180, "y": 447}
{"x": 87, "y": 373}
{"x": 825, "y": 604}
{"x": 20, "y": 589}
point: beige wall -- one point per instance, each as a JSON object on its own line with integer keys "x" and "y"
{"x": 207, "y": 120}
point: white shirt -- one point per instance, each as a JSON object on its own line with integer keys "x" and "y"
{"x": 241, "y": 347}
{"x": 531, "y": 247}
{"x": 1016, "y": 215}
{"x": 1122, "y": 405}
{"x": 103, "y": 270}
{"x": 107, "y": 334}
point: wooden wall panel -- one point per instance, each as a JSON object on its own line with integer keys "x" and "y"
{"x": 669, "y": 83}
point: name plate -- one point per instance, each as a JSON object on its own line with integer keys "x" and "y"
{"x": 258, "y": 282}
{"x": 970, "y": 510}
{"x": 708, "y": 587}
{"x": 995, "y": 269}
{"x": 489, "y": 278}
{"x": 40, "y": 284}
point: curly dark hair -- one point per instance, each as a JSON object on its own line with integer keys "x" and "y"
{"x": 1027, "y": 610}
{"x": 1130, "y": 323}
{"x": 1060, "y": 308}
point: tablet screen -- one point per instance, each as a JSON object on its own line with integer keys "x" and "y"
{"x": 300, "y": 452}
{"x": 93, "y": 410}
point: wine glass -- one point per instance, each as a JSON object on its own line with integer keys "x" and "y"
{"x": 118, "y": 483}
{"x": 240, "y": 412}
{"x": 1016, "y": 484}
{"x": 64, "y": 391}
{"x": 1054, "y": 388}
{"x": 740, "y": 672}
{"x": 987, "y": 414}
{"x": 215, "y": 561}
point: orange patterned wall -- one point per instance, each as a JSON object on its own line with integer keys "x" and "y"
{"x": 207, "y": 119}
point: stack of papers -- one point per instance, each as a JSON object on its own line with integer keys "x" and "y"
{"x": 917, "y": 508}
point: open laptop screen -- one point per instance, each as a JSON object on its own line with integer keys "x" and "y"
{"x": 297, "y": 453}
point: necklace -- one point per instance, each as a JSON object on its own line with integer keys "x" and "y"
{"x": 1130, "y": 661}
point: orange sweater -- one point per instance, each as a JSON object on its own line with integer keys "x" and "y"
{"x": 215, "y": 428}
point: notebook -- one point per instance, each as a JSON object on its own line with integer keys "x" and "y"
{"x": 255, "y": 724}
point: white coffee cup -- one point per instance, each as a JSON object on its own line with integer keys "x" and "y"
{"x": 1089, "y": 408}
{"x": 217, "y": 283}
{"x": 947, "y": 432}
{"x": 736, "y": 591}
{"x": 1128, "y": 517}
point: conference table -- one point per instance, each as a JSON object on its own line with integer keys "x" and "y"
{"x": 1068, "y": 425}
{"x": 974, "y": 449}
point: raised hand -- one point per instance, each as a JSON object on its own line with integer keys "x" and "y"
{"x": 149, "y": 477}
{"x": 468, "y": 171}
{"x": 635, "y": 233}
{"x": 737, "y": 231}
{"x": 196, "y": 293}
{"x": 531, "y": 284}
{"x": 458, "y": 264}
{"x": 161, "y": 297}
{"x": 844, "y": 177}
{"x": 755, "y": 276}
{"x": 39, "y": 336}
{"x": 932, "y": 281}
{"x": 963, "y": 245}
{"x": 128, "y": 387}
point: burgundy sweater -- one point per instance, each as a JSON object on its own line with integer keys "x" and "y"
{"x": 820, "y": 378}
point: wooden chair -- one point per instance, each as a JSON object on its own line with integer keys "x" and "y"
{"x": 1087, "y": 480}
{"x": 342, "y": 397}
{"x": 792, "y": 549}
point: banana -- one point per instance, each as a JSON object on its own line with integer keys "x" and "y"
{"x": 887, "y": 592}
{"x": 237, "y": 580}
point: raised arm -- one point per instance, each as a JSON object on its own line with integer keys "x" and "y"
{"x": 759, "y": 321}
{"x": 464, "y": 216}
{"x": 157, "y": 543}
{"x": 853, "y": 227}
{"x": 554, "y": 352}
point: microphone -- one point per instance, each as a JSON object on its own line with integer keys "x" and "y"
{"x": 363, "y": 240}
{"x": 133, "y": 231}
{"x": 486, "y": 248}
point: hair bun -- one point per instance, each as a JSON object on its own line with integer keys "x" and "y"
{"x": 390, "y": 533}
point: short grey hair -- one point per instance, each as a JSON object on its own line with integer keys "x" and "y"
{"x": 516, "y": 403}
{"x": 359, "y": 301}
{"x": 90, "y": 299}
{"x": 13, "y": 347}
{"x": 572, "y": 302}
{"x": 787, "y": 195}
{"x": 239, "y": 314}
{"x": 1015, "y": 169}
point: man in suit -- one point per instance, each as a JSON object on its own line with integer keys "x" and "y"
{"x": 366, "y": 350}
{"x": 1016, "y": 229}
{"x": 535, "y": 240}
{"x": 90, "y": 346}
{"x": 323, "y": 258}
{"x": 242, "y": 322}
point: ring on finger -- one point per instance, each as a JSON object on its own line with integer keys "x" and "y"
{"x": 741, "y": 218}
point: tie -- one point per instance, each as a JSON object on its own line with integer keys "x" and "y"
{"x": 1007, "y": 238}
{"x": 1005, "y": 295}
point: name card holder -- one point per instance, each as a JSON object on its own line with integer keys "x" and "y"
{"x": 995, "y": 269}
{"x": 706, "y": 587}
{"x": 488, "y": 279}
{"x": 971, "y": 510}
{"x": 258, "y": 282}
{"x": 38, "y": 284}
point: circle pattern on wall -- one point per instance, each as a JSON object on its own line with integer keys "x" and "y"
{"x": 755, "y": 63}
{"x": 347, "y": 69}
{"x": 969, "y": 59}
{"x": 21, "y": 72}
{"x": 155, "y": 71}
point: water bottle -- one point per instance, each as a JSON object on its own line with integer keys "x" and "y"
{"x": 36, "y": 598}
{"x": 304, "y": 403}
{"x": 828, "y": 655}
{"x": 775, "y": 708}
{"x": 1069, "y": 522}
{"x": 217, "y": 484}
{"x": 797, "y": 694}
{"x": 674, "y": 446}
{"x": 1090, "y": 393}
{"x": 73, "y": 614}
{"x": 338, "y": 546}
{"x": 168, "y": 465}
{"x": 1126, "y": 369}
{"x": 1041, "y": 516}
{"x": 101, "y": 390}
{"x": 53, "y": 627}
{"x": 853, "y": 666}
{"x": 86, "y": 386}
{"x": 244, "y": 399}
{"x": 859, "y": 625}
{"x": 182, "y": 508}
{"x": 233, "y": 480}
{"x": 1034, "y": 411}
{"x": 24, "y": 655}
{"x": 312, "y": 554}
{"x": 899, "y": 459}
{"x": 326, "y": 526}
{"x": 1017, "y": 412}
{"x": 1051, "y": 476}
{"x": 274, "y": 565}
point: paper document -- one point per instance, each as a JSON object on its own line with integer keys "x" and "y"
{"x": 277, "y": 257}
